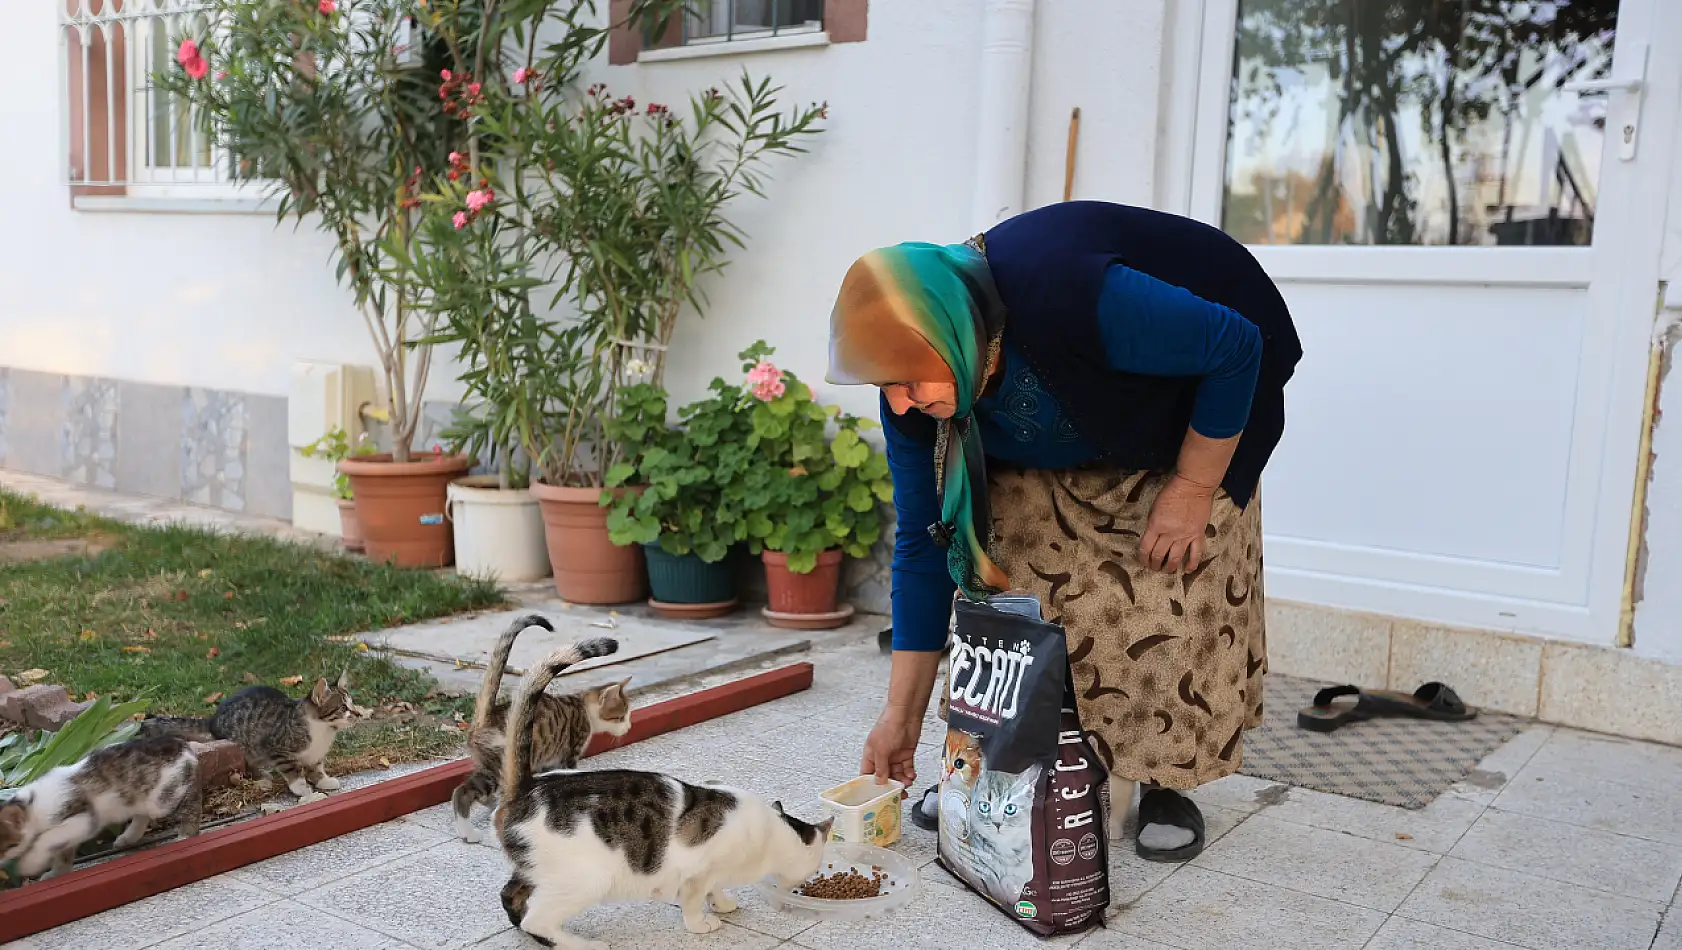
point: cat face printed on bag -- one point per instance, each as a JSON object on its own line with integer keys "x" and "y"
{"x": 962, "y": 760}
{"x": 1001, "y": 832}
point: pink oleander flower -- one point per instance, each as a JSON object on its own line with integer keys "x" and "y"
{"x": 456, "y": 158}
{"x": 444, "y": 74}
{"x": 477, "y": 199}
{"x": 522, "y": 74}
{"x": 327, "y": 6}
{"x": 190, "y": 59}
{"x": 460, "y": 220}
{"x": 473, "y": 89}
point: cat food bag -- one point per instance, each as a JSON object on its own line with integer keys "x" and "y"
{"x": 1023, "y": 795}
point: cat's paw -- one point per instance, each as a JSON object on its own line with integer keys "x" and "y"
{"x": 469, "y": 832}
{"x": 327, "y": 783}
{"x": 724, "y": 904}
{"x": 298, "y": 787}
{"x": 705, "y": 924}
{"x": 311, "y": 798}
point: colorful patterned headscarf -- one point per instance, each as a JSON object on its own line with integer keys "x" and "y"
{"x": 916, "y": 313}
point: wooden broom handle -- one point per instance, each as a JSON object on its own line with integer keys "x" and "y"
{"x": 1069, "y": 159}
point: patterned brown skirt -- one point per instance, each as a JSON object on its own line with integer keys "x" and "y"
{"x": 1167, "y": 667}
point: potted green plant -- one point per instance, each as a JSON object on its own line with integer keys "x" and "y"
{"x": 339, "y": 119}
{"x": 624, "y": 204}
{"x": 335, "y": 446}
{"x": 688, "y": 532}
{"x": 809, "y": 497}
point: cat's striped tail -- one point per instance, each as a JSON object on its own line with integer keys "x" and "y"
{"x": 191, "y": 728}
{"x": 499, "y": 664}
{"x": 516, "y": 758}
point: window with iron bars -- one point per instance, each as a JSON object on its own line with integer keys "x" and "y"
{"x": 121, "y": 136}
{"x": 722, "y": 21}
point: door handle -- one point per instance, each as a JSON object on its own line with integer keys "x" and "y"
{"x": 1623, "y": 120}
{"x": 1631, "y": 84}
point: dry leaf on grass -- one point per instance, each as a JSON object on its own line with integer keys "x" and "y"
{"x": 1403, "y": 837}
{"x": 250, "y": 678}
{"x": 131, "y": 648}
{"x": 88, "y": 634}
{"x": 30, "y": 677}
{"x": 213, "y": 698}
{"x": 213, "y": 653}
{"x": 385, "y": 763}
{"x": 291, "y": 680}
{"x": 206, "y": 572}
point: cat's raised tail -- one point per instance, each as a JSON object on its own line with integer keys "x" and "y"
{"x": 516, "y": 756}
{"x": 499, "y": 664}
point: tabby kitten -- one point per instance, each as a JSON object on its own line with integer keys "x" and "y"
{"x": 136, "y": 782}
{"x": 290, "y": 737}
{"x": 578, "y": 839}
{"x": 561, "y": 725}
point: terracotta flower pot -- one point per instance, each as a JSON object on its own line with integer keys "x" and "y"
{"x": 401, "y": 507}
{"x": 350, "y": 527}
{"x": 804, "y": 601}
{"x": 589, "y": 567}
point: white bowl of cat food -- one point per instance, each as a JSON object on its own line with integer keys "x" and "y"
{"x": 858, "y": 881}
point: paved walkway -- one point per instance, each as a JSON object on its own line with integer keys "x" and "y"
{"x": 1569, "y": 841}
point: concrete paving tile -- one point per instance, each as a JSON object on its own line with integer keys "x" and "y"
{"x": 1239, "y": 793}
{"x": 1342, "y": 867}
{"x": 1401, "y": 934}
{"x": 1528, "y": 910}
{"x": 1434, "y": 828}
{"x": 1618, "y": 864}
{"x": 299, "y": 871}
{"x": 1114, "y": 940}
{"x": 756, "y": 914}
{"x": 1592, "y": 802}
{"x": 942, "y": 918}
{"x": 644, "y": 925}
{"x": 440, "y": 899}
{"x": 1132, "y": 876}
{"x": 284, "y": 925}
{"x": 1625, "y": 761}
{"x": 153, "y": 920}
{"x": 1197, "y": 909}
{"x": 1496, "y": 771}
{"x": 1670, "y": 933}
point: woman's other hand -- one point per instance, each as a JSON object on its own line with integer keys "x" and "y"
{"x": 1173, "y": 538}
{"x": 890, "y": 751}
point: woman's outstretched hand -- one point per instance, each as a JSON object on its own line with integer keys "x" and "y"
{"x": 1173, "y": 538}
{"x": 890, "y": 751}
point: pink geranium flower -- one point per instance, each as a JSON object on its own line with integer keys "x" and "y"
{"x": 521, "y": 75}
{"x": 766, "y": 381}
{"x": 460, "y": 220}
{"x": 477, "y": 199}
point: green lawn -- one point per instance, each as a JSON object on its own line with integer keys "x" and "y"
{"x": 188, "y": 614}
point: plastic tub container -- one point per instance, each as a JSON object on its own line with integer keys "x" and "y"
{"x": 864, "y": 812}
{"x": 903, "y": 885}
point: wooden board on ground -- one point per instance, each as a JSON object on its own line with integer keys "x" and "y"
{"x": 468, "y": 641}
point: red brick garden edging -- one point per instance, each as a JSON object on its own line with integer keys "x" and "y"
{"x": 37, "y": 907}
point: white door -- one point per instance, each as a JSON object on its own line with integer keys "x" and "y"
{"x": 1462, "y": 201}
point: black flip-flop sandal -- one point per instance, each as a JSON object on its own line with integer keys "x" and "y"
{"x": 1433, "y": 701}
{"x": 1160, "y": 806}
{"x": 922, "y": 820}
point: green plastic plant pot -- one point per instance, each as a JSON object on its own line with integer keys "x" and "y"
{"x": 686, "y": 579}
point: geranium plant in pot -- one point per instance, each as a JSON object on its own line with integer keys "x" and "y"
{"x": 689, "y": 532}
{"x": 335, "y": 446}
{"x": 809, "y": 497}
{"x": 327, "y": 108}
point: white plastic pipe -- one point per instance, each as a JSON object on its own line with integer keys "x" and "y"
{"x": 1007, "y": 65}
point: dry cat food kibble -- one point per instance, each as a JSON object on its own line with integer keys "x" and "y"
{"x": 848, "y": 885}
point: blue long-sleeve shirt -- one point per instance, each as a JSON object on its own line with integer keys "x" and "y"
{"x": 1148, "y": 326}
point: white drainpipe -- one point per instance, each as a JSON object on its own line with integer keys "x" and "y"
{"x": 1007, "y": 66}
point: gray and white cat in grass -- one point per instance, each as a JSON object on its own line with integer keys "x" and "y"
{"x": 135, "y": 782}
{"x": 290, "y": 737}
{"x": 578, "y": 839}
{"x": 1001, "y": 832}
{"x": 561, "y": 726}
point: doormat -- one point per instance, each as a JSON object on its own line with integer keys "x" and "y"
{"x": 1401, "y": 762}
